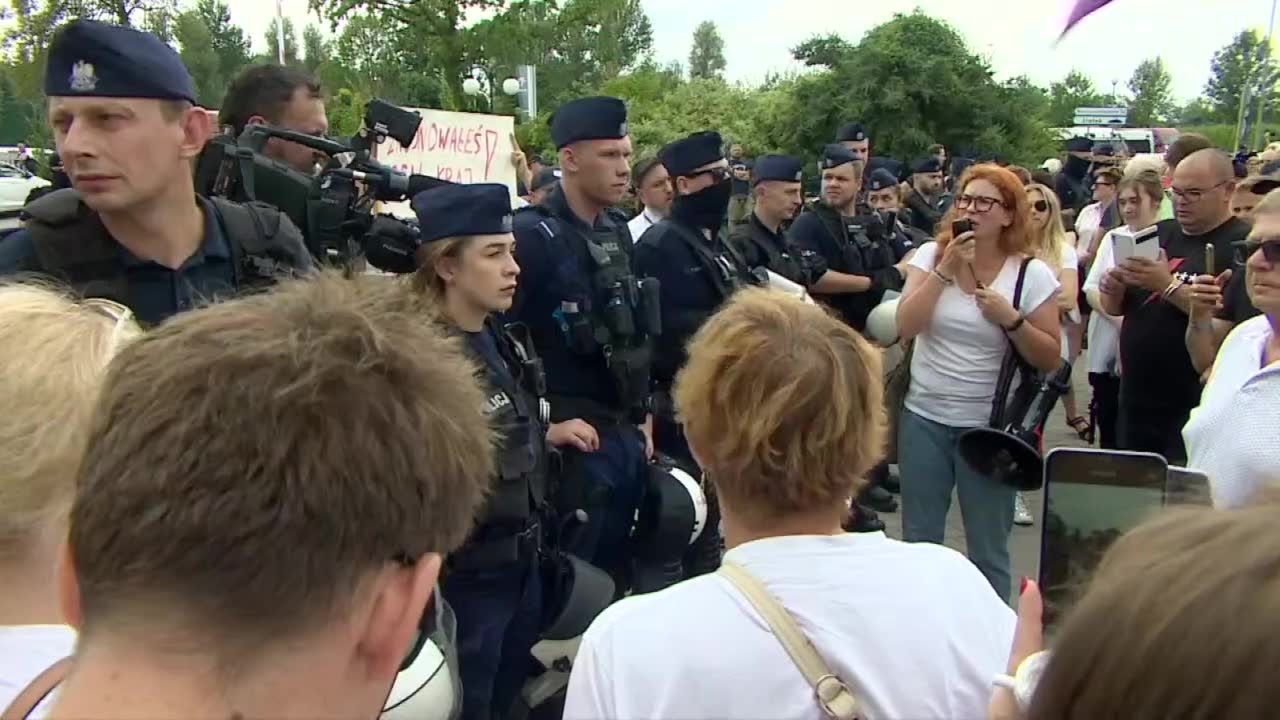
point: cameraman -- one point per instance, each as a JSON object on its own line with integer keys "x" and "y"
{"x": 132, "y": 228}
{"x": 270, "y": 94}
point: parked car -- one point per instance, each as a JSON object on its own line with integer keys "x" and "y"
{"x": 15, "y": 185}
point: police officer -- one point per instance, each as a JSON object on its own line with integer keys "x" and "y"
{"x": 926, "y": 199}
{"x": 492, "y": 583}
{"x": 132, "y": 228}
{"x": 854, "y": 138}
{"x": 589, "y": 318}
{"x": 695, "y": 268}
{"x": 760, "y": 240}
{"x": 884, "y": 199}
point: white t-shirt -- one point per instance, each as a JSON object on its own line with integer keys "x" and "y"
{"x": 25, "y": 652}
{"x": 1104, "y": 330}
{"x": 913, "y": 628}
{"x": 638, "y": 224}
{"x": 1234, "y": 436}
{"x": 957, "y": 358}
{"x": 1087, "y": 223}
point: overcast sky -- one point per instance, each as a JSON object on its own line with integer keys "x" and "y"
{"x": 1017, "y": 35}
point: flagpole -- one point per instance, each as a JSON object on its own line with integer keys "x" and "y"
{"x": 280, "y": 31}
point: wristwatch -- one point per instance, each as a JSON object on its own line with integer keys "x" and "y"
{"x": 1016, "y": 324}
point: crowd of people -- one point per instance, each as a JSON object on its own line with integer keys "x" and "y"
{"x": 235, "y": 482}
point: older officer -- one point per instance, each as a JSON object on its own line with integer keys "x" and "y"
{"x": 760, "y": 240}
{"x": 589, "y": 318}
{"x": 132, "y": 228}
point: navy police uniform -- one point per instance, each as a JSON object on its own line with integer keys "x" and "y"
{"x": 492, "y": 582}
{"x": 244, "y": 246}
{"x": 590, "y": 320}
{"x": 762, "y": 247}
{"x": 861, "y": 245}
{"x": 696, "y": 269}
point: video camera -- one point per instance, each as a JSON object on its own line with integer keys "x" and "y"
{"x": 334, "y": 208}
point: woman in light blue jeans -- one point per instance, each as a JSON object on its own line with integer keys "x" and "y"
{"x": 958, "y": 306}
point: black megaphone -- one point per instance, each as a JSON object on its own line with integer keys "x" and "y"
{"x": 1011, "y": 455}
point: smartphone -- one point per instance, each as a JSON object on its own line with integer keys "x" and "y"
{"x": 1208, "y": 260}
{"x": 1091, "y": 498}
{"x": 1187, "y": 487}
{"x": 960, "y": 227}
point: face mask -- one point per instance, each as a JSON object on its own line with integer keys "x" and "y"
{"x": 706, "y": 208}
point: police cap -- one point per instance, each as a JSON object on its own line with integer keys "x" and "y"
{"x": 835, "y": 155}
{"x": 881, "y": 179}
{"x": 690, "y": 153}
{"x": 93, "y": 59}
{"x": 1079, "y": 144}
{"x": 544, "y": 177}
{"x": 783, "y": 168}
{"x": 589, "y": 118}
{"x": 926, "y": 165}
{"x": 851, "y": 132}
{"x": 452, "y": 211}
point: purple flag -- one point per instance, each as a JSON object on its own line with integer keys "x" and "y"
{"x": 1082, "y": 9}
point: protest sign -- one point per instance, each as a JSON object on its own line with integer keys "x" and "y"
{"x": 454, "y": 146}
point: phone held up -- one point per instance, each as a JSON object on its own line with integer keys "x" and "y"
{"x": 1091, "y": 498}
{"x": 960, "y": 227}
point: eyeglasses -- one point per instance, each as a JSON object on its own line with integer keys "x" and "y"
{"x": 979, "y": 203}
{"x": 717, "y": 173}
{"x": 1246, "y": 248}
{"x": 1194, "y": 195}
{"x": 1040, "y": 206}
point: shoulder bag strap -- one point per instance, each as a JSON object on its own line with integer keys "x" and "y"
{"x": 37, "y": 690}
{"x": 1012, "y": 363}
{"x": 833, "y": 695}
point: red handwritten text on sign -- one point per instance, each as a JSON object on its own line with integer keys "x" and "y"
{"x": 452, "y": 152}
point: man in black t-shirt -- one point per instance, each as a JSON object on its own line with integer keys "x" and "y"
{"x": 1159, "y": 385}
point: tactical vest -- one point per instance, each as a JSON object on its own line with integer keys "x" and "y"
{"x": 613, "y": 314}
{"x": 516, "y": 408}
{"x": 776, "y": 259}
{"x": 73, "y": 245}
{"x": 723, "y": 265}
{"x": 859, "y": 254}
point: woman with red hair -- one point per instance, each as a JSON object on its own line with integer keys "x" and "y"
{"x": 958, "y": 304}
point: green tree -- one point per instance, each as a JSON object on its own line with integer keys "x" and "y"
{"x": 706, "y": 56}
{"x": 1244, "y": 65}
{"x": 822, "y": 51}
{"x": 315, "y": 49}
{"x": 229, "y": 41}
{"x": 290, "y": 43}
{"x": 1075, "y": 90}
{"x": 1197, "y": 112}
{"x": 431, "y": 31}
{"x": 1152, "y": 102}
{"x": 195, "y": 43}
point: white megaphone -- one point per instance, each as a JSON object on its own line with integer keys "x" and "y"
{"x": 882, "y": 322}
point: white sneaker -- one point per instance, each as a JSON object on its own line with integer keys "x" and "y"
{"x": 1021, "y": 514}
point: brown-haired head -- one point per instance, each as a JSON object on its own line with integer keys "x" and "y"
{"x": 782, "y": 405}
{"x": 253, "y": 463}
{"x": 1014, "y": 239}
{"x": 1145, "y": 182}
{"x": 426, "y": 279}
{"x": 1178, "y": 622}
{"x": 1184, "y": 146}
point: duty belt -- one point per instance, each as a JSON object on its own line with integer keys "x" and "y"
{"x": 496, "y": 552}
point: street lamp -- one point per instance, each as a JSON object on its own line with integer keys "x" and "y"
{"x": 478, "y": 81}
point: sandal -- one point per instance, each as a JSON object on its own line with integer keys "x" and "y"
{"x": 1083, "y": 428}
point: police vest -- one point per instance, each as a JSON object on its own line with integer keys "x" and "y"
{"x": 516, "y": 408}
{"x": 612, "y": 314}
{"x": 751, "y": 234}
{"x": 858, "y": 253}
{"x": 721, "y": 262}
{"x": 73, "y": 245}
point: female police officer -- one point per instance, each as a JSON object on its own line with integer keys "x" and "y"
{"x": 465, "y": 261}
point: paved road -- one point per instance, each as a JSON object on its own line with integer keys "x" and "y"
{"x": 1024, "y": 544}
